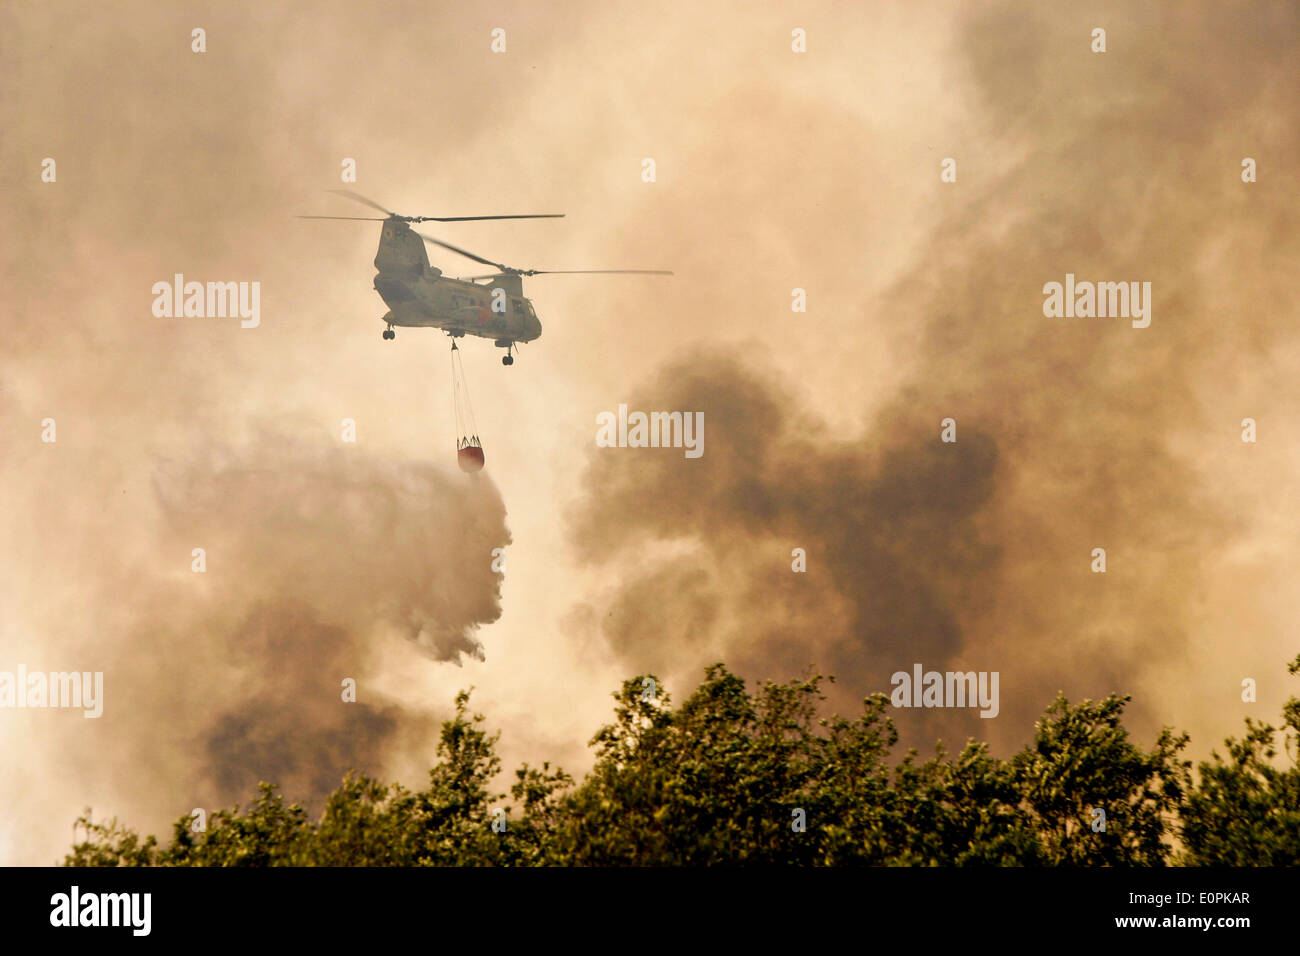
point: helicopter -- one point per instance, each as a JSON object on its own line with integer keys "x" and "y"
{"x": 418, "y": 295}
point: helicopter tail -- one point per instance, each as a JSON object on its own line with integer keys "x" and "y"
{"x": 401, "y": 252}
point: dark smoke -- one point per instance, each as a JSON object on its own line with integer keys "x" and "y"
{"x": 320, "y": 558}
{"x": 1072, "y": 433}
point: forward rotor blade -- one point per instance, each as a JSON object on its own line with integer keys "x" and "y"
{"x": 357, "y": 197}
{"x": 354, "y": 218}
{"x": 464, "y": 252}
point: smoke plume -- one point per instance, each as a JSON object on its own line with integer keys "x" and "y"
{"x": 1072, "y": 434}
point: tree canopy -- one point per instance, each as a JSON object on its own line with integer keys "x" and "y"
{"x": 734, "y": 777}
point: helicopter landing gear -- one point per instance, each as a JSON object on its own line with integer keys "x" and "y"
{"x": 508, "y": 358}
{"x": 389, "y": 334}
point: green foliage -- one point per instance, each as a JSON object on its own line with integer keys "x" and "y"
{"x": 734, "y": 778}
{"x": 1245, "y": 810}
{"x": 110, "y": 844}
{"x": 1081, "y": 758}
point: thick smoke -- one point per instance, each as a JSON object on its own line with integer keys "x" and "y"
{"x": 325, "y": 560}
{"x": 317, "y": 559}
{"x": 818, "y": 170}
{"x": 313, "y": 560}
{"x": 1073, "y": 434}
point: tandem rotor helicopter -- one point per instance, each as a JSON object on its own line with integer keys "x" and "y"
{"x": 418, "y": 295}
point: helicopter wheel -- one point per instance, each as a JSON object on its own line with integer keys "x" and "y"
{"x": 389, "y": 334}
{"x": 507, "y": 360}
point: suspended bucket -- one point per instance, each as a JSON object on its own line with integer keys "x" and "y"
{"x": 469, "y": 450}
{"x": 469, "y": 454}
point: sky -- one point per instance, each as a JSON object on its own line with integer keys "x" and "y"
{"x": 775, "y": 170}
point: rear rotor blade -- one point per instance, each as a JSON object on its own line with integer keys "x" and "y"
{"x": 507, "y": 270}
{"x": 354, "y": 218}
{"x": 572, "y": 272}
{"x": 533, "y": 215}
{"x": 464, "y": 252}
{"x": 590, "y": 272}
{"x": 357, "y": 197}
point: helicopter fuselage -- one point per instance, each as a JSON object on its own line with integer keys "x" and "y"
{"x": 418, "y": 295}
